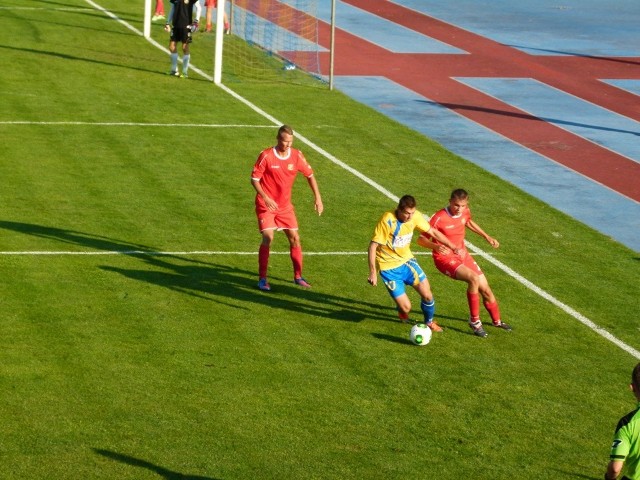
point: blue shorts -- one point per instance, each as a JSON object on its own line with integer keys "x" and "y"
{"x": 396, "y": 278}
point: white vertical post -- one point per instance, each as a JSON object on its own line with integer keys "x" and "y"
{"x": 332, "y": 47}
{"x": 147, "y": 18}
{"x": 217, "y": 57}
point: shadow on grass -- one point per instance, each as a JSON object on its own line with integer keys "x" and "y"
{"x": 393, "y": 338}
{"x": 577, "y": 475}
{"x": 237, "y": 289}
{"x": 224, "y": 284}
{"x": 70, "y": 8}
{"x": 73, "y": 237}
{"x": 82, "y": 59}
{"x": 88, "y": 240}
{"x": 136, "y": 462}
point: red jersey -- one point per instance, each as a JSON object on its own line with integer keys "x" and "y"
{"x": 454, "y": 228}
{"x": 277, "y": 174}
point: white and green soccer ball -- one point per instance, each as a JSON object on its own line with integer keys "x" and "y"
{"x": 420, "y": 334}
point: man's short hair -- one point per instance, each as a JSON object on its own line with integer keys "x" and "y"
{"x": 407, "y": 201}
{"x": 459, "y": 194}
{"x": 285, "y": 129}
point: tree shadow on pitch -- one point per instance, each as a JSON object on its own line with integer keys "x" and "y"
{"x": 137, "y": 462}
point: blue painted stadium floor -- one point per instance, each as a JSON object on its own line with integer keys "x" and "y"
{"x": 541, "y": 27}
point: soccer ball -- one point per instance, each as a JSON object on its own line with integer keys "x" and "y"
{"x": 420, "y": 334}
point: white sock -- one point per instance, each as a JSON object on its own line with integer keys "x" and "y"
{"x": 185, "y": 63}
{"x": 174, "y": 62}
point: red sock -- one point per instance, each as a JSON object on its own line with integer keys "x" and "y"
{"x": 494, "y": 311}
{"x": 263, "y": 261}
{"x": 159, "y": 7}
{"x": 296, "y": 259}
{"x": 474, "y": 306}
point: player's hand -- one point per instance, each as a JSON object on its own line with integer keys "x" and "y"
{"x": 319, "y": 207}
{"x": 493, "y": 242}
{"x": 270, "y": 203}
{"x": 442, "y": 250}
{"x": 373, "y": 279}
{"x": 167, "y": 27}
{"x": 194, "y": 27}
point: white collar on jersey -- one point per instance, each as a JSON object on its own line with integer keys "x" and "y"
{"x": 282, "y": 157}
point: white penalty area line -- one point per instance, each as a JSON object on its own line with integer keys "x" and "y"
{"x": 394, "y": 198}
{"x": 134, "y": 124}
{"x": 60, "y": 9}
{"x": 177, "y": 253}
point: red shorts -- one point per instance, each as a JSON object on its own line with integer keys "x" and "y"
{"x": 211, "y": 3}
{"x": 281, "y": 219}
{"x": 449, "y": 264}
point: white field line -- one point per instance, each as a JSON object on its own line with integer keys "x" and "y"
{"x": 570, "y": 311}
{"x": 134, "y": 124}
{"x": 176, "y": 253}
{"x": 59, "y": 9}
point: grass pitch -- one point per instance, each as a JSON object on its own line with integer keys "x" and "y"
{"x": 127, "y": 354}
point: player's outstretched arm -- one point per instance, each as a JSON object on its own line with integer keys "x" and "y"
{"x": 440, "y": 237}
{"x": 613, "y": 469}
{"x": 373, "y": 273}
{"x": 197, "y": 12}
{"x": 475, "y": 228}
{"x": 425, "y": 242}
{"x": 169, "y": 21}
{"x": 319, "y": 207}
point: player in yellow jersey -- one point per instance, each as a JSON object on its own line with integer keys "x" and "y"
{"x": 390, "y": 253}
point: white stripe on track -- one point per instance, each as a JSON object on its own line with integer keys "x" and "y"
{"x": 570, "y": 311}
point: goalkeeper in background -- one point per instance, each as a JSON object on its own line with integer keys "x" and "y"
{"x": 181, "y": 25}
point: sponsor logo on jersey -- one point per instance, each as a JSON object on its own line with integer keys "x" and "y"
{"x": 402, "y": 240}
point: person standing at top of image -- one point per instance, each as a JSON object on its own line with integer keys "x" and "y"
{"x": 625, "y": 450}
{"x": 390, "y": 252}
{"x": 272, "y": 178}
{"x": 211, "y": 4}
{"x": 181, "y": 25}
{"x": 159, "y": 11}
{"x": 452, "y": 221}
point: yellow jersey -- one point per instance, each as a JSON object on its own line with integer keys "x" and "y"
{"x": 394, "y": 238}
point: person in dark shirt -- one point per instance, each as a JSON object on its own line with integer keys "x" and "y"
{"x": 181, "y": 25}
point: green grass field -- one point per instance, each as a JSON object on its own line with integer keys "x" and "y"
{"x": 146, "y": 365}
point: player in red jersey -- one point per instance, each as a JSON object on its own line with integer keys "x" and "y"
{"x": 211, "y": 4}
{"x": 453, "y": 221}
{"x": 272, "y": 177}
